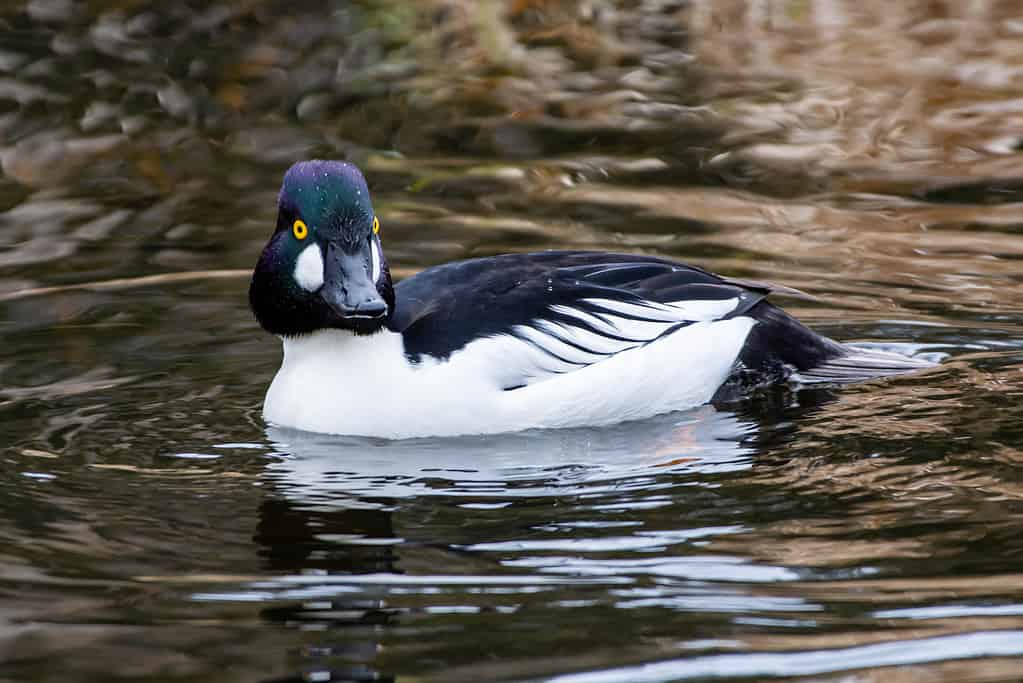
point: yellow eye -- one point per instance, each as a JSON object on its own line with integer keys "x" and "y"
{"x": 376, "y": 225}
{"x": 299, "y": 230}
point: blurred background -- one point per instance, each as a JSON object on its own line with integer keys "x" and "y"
{"x": 152, "y": 526}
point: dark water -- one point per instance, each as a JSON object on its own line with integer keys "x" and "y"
{"x": 154, "y": 528}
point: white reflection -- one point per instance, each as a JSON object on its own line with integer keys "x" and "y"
{"x": 324, "y": 470}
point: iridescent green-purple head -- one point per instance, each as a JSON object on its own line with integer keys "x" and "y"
{"x": 323, "y": 266}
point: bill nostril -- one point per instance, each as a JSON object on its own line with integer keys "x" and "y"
{"x": 371, "y": 307}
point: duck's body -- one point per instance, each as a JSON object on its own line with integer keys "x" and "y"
{"x": 464, "y": 394}
{"x": 544, "y": 340}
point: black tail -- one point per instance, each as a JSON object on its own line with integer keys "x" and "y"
{"x": 780, "y": 348}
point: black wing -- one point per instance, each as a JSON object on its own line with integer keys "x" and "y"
{"x": 554, "y": 312}
{"x": 574, "y": 308}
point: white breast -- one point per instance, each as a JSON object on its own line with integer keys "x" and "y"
{"x": 334, "y": 382}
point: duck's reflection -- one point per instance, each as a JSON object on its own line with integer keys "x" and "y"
{"x": 298, "y": 539}
{"x": 325, "y": 472}
{"x": 342, "y": 507}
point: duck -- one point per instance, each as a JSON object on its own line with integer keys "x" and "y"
{"x": 512, "y": 342}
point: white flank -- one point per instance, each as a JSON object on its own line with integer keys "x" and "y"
{"x": 335, "y": 382}
{"x": 309, "y": 268}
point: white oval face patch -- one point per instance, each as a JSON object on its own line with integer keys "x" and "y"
{"x": 309, "y": 268}
{"x": 374, "y": 259}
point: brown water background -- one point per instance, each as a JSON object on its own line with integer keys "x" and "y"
{"x": 153, "y": 528}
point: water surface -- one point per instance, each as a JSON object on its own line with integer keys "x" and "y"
{"x": 154, "y": 528}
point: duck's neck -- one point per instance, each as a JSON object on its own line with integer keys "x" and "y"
{"x": 330, "y": 349}
{"x": 337, "y": 381}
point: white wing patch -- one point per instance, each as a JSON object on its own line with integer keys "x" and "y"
{"x": 691, "y": 310}
{"x": 595, "y": 331}
{"x": 309, "y": 268}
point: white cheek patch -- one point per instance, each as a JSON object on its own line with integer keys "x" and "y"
{"x": 309, "y": 268}
{"x": 374, "y": 250}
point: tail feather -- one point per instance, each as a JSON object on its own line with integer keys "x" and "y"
{"x": 780, "y": 348}
{"x": 859, "y": 365}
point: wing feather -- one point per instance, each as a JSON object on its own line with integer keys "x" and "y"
{"x": 596, "y": 330}
{"x": 546, "y": 314}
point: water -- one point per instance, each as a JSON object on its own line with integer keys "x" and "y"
{"x": 154, "y": 528}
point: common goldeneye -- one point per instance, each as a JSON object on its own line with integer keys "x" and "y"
{"x": 511, "y": 342}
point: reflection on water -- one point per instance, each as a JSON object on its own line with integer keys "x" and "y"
{"x": 798, "y": 534}
{"x": 154, "y": 528}
{"x": 578, "y": 462}
{"x": 662, "y": 520}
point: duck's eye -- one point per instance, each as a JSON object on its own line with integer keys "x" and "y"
{"x": 299, "y": 230}
{"x": 376, "y": 225}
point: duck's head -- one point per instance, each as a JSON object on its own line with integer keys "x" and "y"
{"x": 323, "y": 266}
